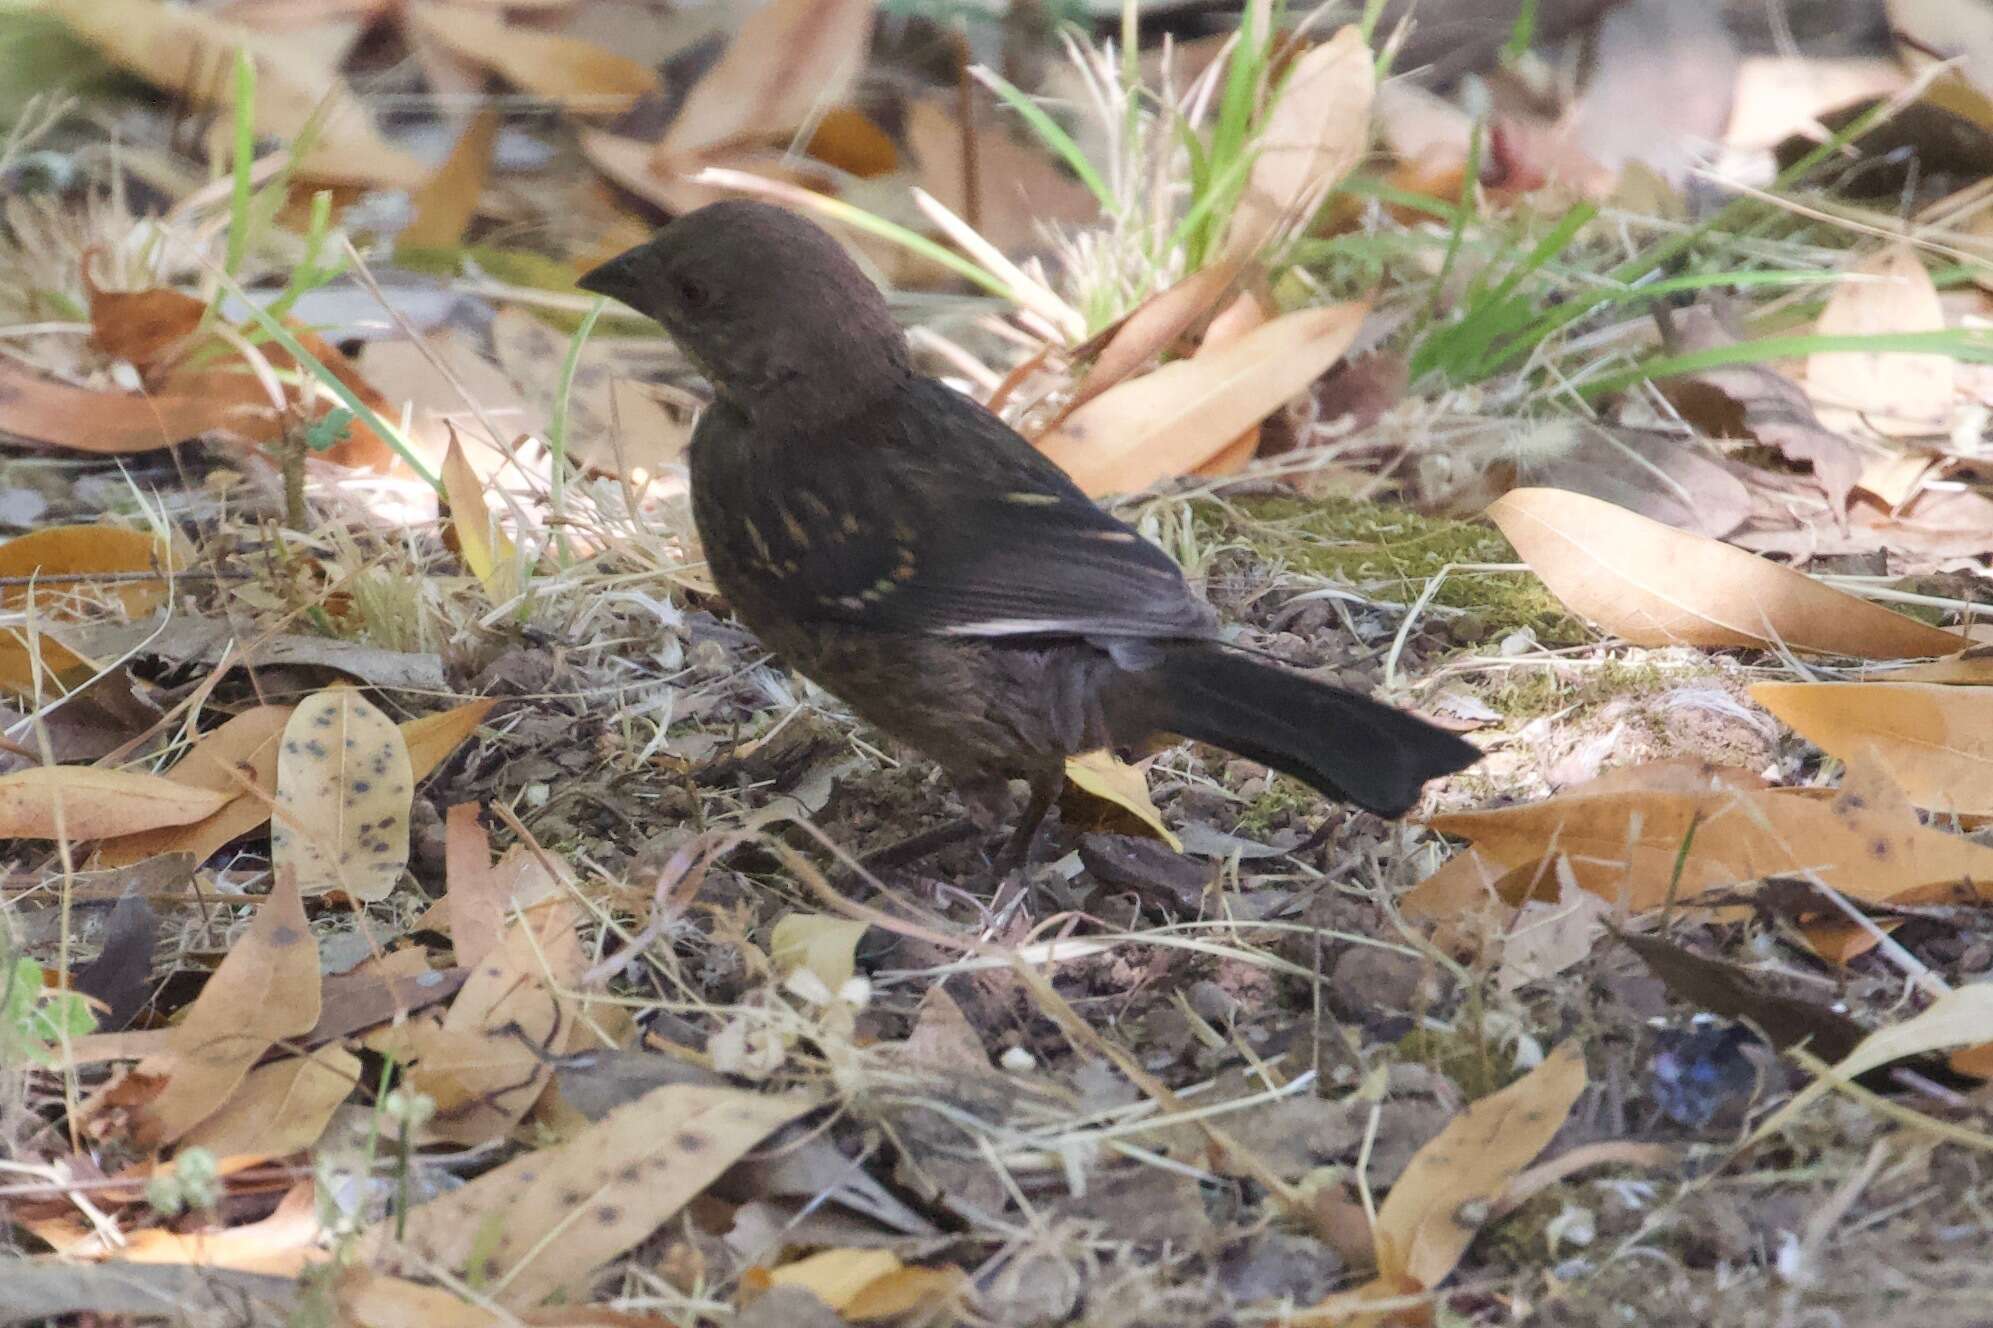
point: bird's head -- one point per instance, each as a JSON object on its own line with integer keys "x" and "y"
{"x": 767, "y": 305}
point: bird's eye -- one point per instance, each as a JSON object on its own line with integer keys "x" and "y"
{"x": 693, "y": 294}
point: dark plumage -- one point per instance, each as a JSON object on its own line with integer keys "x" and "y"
{"x": 910, "y": 552}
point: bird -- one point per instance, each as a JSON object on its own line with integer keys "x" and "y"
{"x": 908, "y": 551}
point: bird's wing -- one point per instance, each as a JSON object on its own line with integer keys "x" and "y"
{"x": 930, "y": 515}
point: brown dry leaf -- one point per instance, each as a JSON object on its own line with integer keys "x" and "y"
{"x": 473, "y": 902}
{"x": 1658, "y": 475}
{"x": 1657, "y": 586}
{"x": 242, "y": 751}
{"x": 480, "y": 1062}
{"x": 1171, "y": 421}
{"x": 81, "y": 802}
{"x": 344, "y": 788}
{"x": 1316, "y": 132}
{"x": 367, "y": 1299}
{"x": 1625, "y": 845}
{"x": 547, "y": 1218}
{"x": 433, "y": 737}
{"x": 1436, "y": 1208}
{"x": 1152, "y": 327}
{"x": 281, "y": 1108}
{"x": 863, "y": 1285}
{"x": 583, "y": 77}
{"x": 1935, "y": 741}
{"x": 447, "y": 204}
{"x": 1967, "y": 669}
{"x": 1423, "y": 1225}
{"x": 1896, "y": 393}
{"x": 791, "y": 60}
{"x": 490, "y": 554}
{"x": 283, "y": 1244}
{"x": 850, "y": 140}
{"x": 64, "y": 553}
{"x": 43, "y": 411}
{"x": 1243, "y": 315}
{"x": 191, "y": 53}
{"x": 265, "y": 990}
{"x": 1758, "y": 402}
{"x": 145, "y": 327}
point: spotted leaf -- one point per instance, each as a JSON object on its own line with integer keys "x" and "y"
{"x": 344, "y": 787}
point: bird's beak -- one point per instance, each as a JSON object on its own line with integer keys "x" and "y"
{"x": 618, "y": 278}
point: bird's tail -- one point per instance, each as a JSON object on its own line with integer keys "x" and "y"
{"x": 1347, "y": 746}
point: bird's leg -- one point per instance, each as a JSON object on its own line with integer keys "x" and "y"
{"x": 1016, "y": 851}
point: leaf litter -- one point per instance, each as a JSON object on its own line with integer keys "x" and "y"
{"x": 632, "y": 926}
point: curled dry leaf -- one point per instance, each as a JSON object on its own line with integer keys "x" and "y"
{"x": 547, "y": 1218}
{"x": 474, "y": 901}
{"x": 552, "y": 65}
{"x": 344, "y": 788}
{"x": 823, "y": 943}
{"x": 1657, "y": 586}
{"x": 189, "y": 52}
{"x": 1106, "y": 778}
{"x": 1316, "y": 131}
{"x": 145, "y": 327}
{"x": 1170, "y": 422}
{"x": 81, "y": 802}
{"x": 1154, "y": 326}
{"x": 1935, "y": 741}
{"x": 863, "y": 1285}
{"x": 1897, "y": 393}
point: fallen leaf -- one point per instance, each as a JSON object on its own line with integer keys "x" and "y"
{"x": 1626, "y": 845}
{"x": 481, "y": 1062}
{"x": 265, "y": 990}
{"x": 1242, "y": 316}
{"x": 1734, "y": 992}
{"x": 864, "y": 1285}
{"x": 1935, "y": 741}
{"x": 1318, "y": 129}
{"x": 1151, "y": 328}
{"x": 1661, "y": 476}
{"x": 285, "y": 1243}
{"x": 68, "y": 556}
{"x": 446, "y": 205}
{"x": 547, "y": 1218}
{"x": 81, "y": 802}
{"x": 433, "y": 737}
{"x": 1657, "y": 586}
{"x": 280, "y": 1108}
{"x": 189, "y": 53}
{"x": 1947, "y": 30}
{"x": 43, "y": 411}
{"x": 790, "y": 60}
{"x": 486, "y": 549}
{"x": 144, "y": 327}
{"x": 1897, "y": 393}
{"x": 344, "y": 788}
{"x": 1171, "y": 421}
{"x": 584, "y": 78}
{"x": 1758, "y": 402}
{"x": 1438, "y": 1204}
{"x": 1968, "y": 668}
{"x": 1103, "y": 775}
{"x": 823, "y": 943}
{"x": 242, "y": 751}
{"x": 474, "y": 903}
{"x": 367, "y": 1299}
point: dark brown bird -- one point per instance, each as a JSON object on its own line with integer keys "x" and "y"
{"x": 910, "y": 552}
